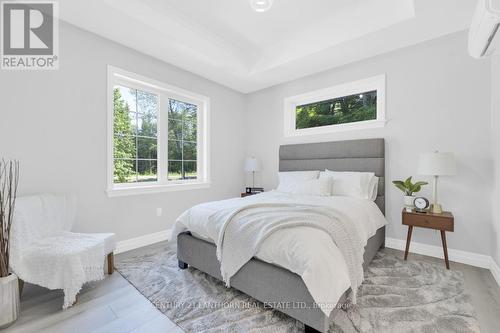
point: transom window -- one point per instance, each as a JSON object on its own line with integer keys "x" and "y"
{"x": 158, "y": 137}
{"x": 335, "y": 111}
{"x": 349, "y": 106}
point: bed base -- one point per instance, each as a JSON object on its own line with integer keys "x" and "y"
{"x": 268, "y": 283}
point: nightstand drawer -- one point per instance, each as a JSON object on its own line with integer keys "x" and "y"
{"x": 428, "y": 221}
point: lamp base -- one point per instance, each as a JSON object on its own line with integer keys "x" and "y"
{"x": 436, "y": 209}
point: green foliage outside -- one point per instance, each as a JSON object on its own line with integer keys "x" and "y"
{"x": 135, "y": 143}
{"x": 182, "y": 134}
{"x": 124, "y": 143}
{"x": 341, "y": 110}
{"x": 135, "y": 137}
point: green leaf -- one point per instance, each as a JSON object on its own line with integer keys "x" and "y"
{"x": 401, "y": 187}
{"x": 408, "y": 182}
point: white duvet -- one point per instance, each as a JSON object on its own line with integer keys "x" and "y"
{"x": 307, "y": 251}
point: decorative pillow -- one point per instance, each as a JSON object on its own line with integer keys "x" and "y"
{"x": 289, "y": 178}
{"x": 320, "y": 187}
{"x": 352, "y": 184}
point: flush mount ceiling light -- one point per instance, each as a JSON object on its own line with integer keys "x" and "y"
{"x": 261, "y": 5}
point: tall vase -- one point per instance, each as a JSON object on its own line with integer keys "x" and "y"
{"x": 9, "y": 300}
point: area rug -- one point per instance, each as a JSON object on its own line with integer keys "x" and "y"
{"x": 396, "y": 296}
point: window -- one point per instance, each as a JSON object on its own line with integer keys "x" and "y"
{"x": 350, "y": 106}
{"x": 157, "y": 136}
{"x": 135, "y": 148}
{"x": 181, "y": 140}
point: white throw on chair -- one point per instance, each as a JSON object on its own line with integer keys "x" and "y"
{"x": 45, "y": 252}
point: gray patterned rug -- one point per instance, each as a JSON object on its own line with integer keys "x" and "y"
{"x": 396, "y": 296}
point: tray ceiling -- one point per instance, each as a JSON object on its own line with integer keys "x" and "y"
{"x": 227, "y": 42}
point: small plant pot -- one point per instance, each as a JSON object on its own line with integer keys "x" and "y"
{"x": 408, "y": 201}
{"x": 9, "y": 300}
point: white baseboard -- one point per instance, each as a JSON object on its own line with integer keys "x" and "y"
{"x": 469, "y": 258}
{"x": 137, "y": 242}
{"x": 463, "y": 257}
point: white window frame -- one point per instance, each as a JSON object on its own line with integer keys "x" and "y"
{"x": 117, "y": 76}
{"x": 373, "y": 83}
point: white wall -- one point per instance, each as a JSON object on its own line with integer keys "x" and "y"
{"x": 495, "y": 139}
{"x": 54, "y": 122}
{"x": 437, "y": 98}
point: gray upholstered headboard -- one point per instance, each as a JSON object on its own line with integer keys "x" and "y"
{"x": 366, "y": 155}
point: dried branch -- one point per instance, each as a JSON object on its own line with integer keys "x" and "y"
{"x": 9, "y": 180}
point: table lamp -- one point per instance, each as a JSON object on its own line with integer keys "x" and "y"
{"x": 437, "y": 164}
{"x": 252, "y": 165}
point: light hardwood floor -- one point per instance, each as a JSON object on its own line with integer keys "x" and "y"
{"x": 113, "y": 305}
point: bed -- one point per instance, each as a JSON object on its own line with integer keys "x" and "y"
{"x": 273, "y": 284}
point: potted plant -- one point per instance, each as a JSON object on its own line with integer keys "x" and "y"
{"x": 9, "y": 283}
{"x": 409, "y": 188}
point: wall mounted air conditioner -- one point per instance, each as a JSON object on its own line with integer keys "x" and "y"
{"x": 484, "y": 34}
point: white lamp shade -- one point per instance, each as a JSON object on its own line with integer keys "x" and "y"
{"x": 252, "y": 164}
{"x": 437, "y": 164}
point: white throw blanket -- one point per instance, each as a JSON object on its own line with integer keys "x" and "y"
{"x": 242, "y": 229}
{"x": 306, "y": 251}
{"x": 46, "y": 253}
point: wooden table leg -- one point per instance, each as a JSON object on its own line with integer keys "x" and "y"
{"x": 445, "y": 249}
{"x": 111, "y": 263}
{"x": 408, "y": 239}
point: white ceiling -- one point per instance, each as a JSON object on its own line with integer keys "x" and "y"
{"x": 227, "y": 42}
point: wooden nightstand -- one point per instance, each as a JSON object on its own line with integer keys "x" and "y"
{"x": 442, "y": 222}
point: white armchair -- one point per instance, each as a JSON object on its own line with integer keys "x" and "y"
{"x": 45, "y": 252}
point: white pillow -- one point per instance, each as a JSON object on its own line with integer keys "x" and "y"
{"x": 351, "y": 184}
{"x": 373, "y": 188}
{"x": 289, "y": 178}
{"x": 320, "y": 187}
